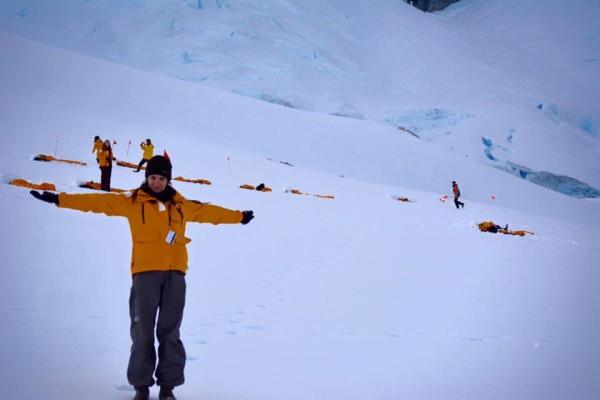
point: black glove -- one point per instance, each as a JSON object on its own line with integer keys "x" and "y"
{"x": 48, "y": 197}
{"x": 247, "y": 216}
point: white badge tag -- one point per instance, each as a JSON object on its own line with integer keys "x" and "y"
{"x": 161, "y": 207}
{"x": 171, "y": 237}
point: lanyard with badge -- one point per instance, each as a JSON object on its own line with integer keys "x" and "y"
{"x": 171, "y": 235}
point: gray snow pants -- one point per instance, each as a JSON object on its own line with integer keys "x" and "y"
{"x": 162, "y": 291}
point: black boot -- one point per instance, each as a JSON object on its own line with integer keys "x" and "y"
{"x": 141, "y": 393}
{"x": 166, "y": 393}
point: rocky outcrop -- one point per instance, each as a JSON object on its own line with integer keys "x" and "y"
{"x": 431, "y": 5}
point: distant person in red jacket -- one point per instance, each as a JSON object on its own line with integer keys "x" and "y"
{"x": 456, "y": 192}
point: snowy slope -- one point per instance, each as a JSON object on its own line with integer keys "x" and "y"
{"x": 361, "y": 297}
{"x": 504, "y": 83}
{"x": 169, "y": 108}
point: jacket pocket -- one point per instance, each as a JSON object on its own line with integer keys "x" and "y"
{"x": 145, "y": 238}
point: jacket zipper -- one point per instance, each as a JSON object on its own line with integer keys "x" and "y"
{"x": 180, "y": 214}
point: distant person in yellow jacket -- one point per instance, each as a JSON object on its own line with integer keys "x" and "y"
{"x": 148, "y": 149}
{"x": 105, "y": 159}
{"x": 157, "y": 216}
{"x": 97, "y": 147}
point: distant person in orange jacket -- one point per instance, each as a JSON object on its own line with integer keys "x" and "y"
{"x": 105, "y": 159}
{"x": 97, "y": 147}
{"x": 456, "y": 192}
{"x": 157, "y": 216}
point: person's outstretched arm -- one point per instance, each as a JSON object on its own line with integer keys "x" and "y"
{"x": 106, "y": 203}
{"x": 195, "y": 211}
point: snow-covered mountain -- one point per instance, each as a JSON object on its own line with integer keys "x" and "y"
{"x": 510, "y": 84}
{"x": 359, "y": 297}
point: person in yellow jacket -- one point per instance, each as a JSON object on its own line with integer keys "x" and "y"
{"x": 148, "y": 149}
{"x": 157, "y": 216}
{"x": 105, "y": 159}
{"x": 97, "y": 147}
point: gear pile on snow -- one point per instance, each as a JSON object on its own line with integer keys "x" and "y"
{"x": 200, "y": 181}
{"x": 38, "y": 186}
{"x": 45, "y": 157}
{"x": 261, "y": 187}
{"x": 300, "y": 193}
{"x": 491, "y": 227}
{"x": 96, "y": 186}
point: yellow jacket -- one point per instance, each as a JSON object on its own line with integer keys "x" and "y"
{"x": 148, "y": 151}
{"x": 150, "y": 222}
{"x": 105, "y": 157}
{"x": 97, "y": 147}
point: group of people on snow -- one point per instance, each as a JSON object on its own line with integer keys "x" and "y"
{"x": 105, "y": 158}
{"x": 157, "y": 215}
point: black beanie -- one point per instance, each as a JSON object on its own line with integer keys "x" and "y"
{"x": 159, "y": 165}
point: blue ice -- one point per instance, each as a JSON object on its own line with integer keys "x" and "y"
{"x": 185, "y": 57}
{"x": 347, "y": 110}
{"x": 511, "y": 136}
{"x": 128, "y": 3}
{"x": 488, "y": 145}
{"x": 423, "y": 120}
{"x": 555, "y": 113}
{"x": 559, "y": 183}
{"x": 265, "y": 97}
{"x": 195, "y": 4}
{"x": 589, "y": 126}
